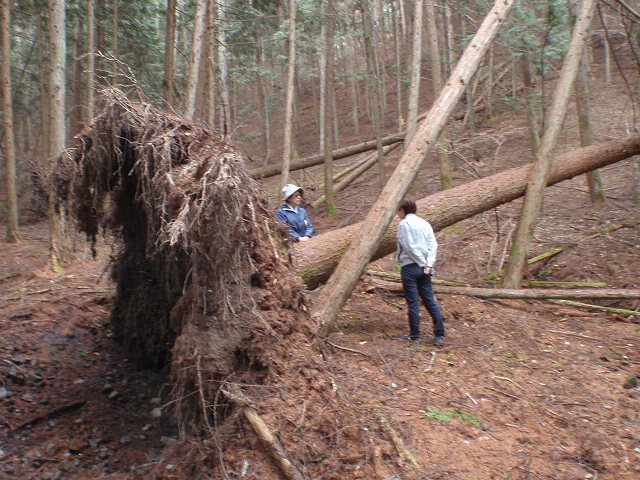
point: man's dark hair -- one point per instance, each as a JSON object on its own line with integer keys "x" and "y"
{"x": 408, "y": 206}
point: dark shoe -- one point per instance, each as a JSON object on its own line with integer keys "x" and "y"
{"x": 410, "y": 338}
{"x": 439, "y": 340}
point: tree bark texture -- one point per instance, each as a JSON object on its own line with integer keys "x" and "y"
{"x": 524, "y": 293}
{"x": 538, "y": 181}
{"x": 288, "y": 114}
{"x": 169, "y": 52}
{"x": 414, "y": 88}
{"x": 329, "y": 113}
{"x": 373, "y": 80}
{"x": 225, "y": 116}
{"x": 316, "y": 259}
{"x": 91, "y": 61}
{"x": 7, "y": 124}
{"x": 60, "y": 246}
{"x": 376, "y": 223}
{"x": 194, "y": 59}
{"x": 583, "y": 107}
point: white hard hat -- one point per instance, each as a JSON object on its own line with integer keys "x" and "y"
{"x": 289, "y": 189}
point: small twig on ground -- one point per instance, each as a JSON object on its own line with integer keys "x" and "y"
{"x": 347, "y": 349}
{"x": 397, "y": 441}
{"x": 508, "y": 380}
{"x": 433, "y": 358}
{"x": 50, "y": 413}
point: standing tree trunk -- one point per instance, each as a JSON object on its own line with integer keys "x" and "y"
{"x": 444, "y": 161}
{"x": 342, "y": 282}
{"x": 379, "y": 35}
{"x": 322, "y": 76}
{"x": 397, "y": 48}
{"x": 211, "y": 64}
{"x": 534, "y": 134}
{"x": 583, "y": 108}
{"x": 76, "y": 98}
{"x": 7, "y": 123}
{"x": 288, "y": 114}
{"x": 194, "y": 59}
{"x": 353, "y": 85}
{"x": 91, "y": 61}
{"x": 264, "y": 100}
{"x": 115, "y": 33}
{"x": 414, "y": 88}
{"x": 329, "y": 113}
{"x": 607, "y": 50}
{"x": 43, "y": 73}
{"x": 60, "y": 245}
{"x": 222, "y": 65}
{"x": 100, "y": 15}
{"x": 540, "y": 171}
{"x": 169, "y": 53}
{"x": 374, "y": 88}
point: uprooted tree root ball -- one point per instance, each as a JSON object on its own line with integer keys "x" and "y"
{"x": 204, "y": 283}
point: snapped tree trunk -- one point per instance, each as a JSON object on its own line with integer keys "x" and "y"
{"x": 316, "y": 259}
{"x": 536, "y": 185}
{"x": 344, "y": 279}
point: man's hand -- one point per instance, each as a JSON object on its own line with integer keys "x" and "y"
{"x": 303, "y": 239}
{"x": 427, "y": 270}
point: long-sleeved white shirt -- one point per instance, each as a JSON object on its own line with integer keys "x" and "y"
{"x": 416, "y": 242}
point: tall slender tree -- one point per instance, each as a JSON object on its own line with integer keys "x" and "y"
{"x": 7, "y": 123}
{"x": 444, "y": 161}
{"x": 194, "y": 59}
{"x": 115, "y": 38}
{"x": 169, "y": 53}
{"x": 91, "y": 61}
{"x": 60, "y": 245}
{"x": 288, "y": 114}
{"x": 414, "y": 89}
{"x": 212, "y": 79}
{"x": 329, "y": 98}
{"x": 225, "y": 117}
{"x": 374, "y": 84}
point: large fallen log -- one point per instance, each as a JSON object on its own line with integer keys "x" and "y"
{"x": 271, "y": 170}
{"x": 316, "y": 259}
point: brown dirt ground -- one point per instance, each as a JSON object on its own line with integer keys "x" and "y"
{"x": 522, "y": 390}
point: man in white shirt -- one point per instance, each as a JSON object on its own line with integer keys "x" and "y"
{"x": 417, "y": 249}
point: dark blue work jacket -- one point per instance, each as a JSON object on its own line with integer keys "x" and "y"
{"x": 298, "y": 221}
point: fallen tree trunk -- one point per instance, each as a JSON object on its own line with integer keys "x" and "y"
{"x": 316, "y": 259}
{"x": 524, "y": 293}
{"x": 271, "y": 170}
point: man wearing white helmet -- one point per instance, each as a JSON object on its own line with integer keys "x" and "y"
{"x": 300, "y": 227}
